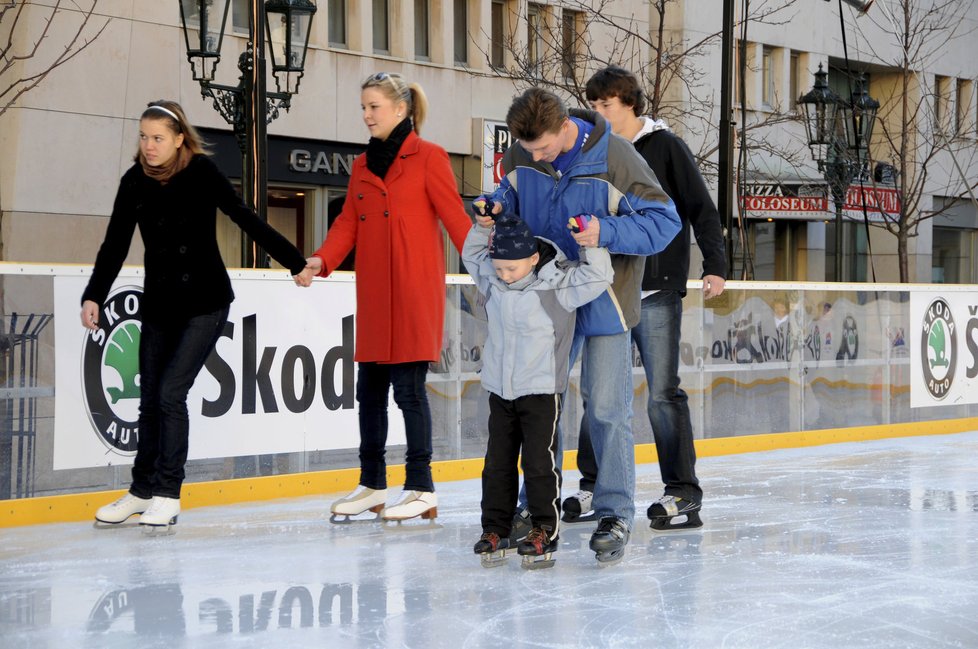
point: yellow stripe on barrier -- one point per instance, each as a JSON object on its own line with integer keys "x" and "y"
{"x": 81, "y": 507}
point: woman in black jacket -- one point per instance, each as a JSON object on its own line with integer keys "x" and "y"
{"x": 172, "y": 193}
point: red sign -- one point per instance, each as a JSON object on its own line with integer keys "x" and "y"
{"x": 878, "y": 201}
{"x": 812, "y": 202}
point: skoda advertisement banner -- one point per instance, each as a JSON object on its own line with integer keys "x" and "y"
{"x": 944, "y": 361}
{"x": 280, "y": 380}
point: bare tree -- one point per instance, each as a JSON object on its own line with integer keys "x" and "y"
{"x": 910, "y": 134}
{"x": 670, "y": 67}
{"x": 28, "y": 55}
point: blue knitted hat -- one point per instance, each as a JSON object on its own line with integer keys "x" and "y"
{"x": 511, "y": 239}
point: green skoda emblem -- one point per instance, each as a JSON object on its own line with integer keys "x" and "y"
{"x": 110, "y": 371}
{"x": 938, "y": 351}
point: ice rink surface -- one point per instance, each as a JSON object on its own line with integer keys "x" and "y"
{"x": 869, "y": 544}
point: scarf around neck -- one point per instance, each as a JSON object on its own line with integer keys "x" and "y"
{"x": 163, "y": 173}
{"x": 381, "y": 153}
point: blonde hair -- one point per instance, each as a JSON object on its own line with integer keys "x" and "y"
{"x": 171, "y": 112}
{"x": 397, "y": 89}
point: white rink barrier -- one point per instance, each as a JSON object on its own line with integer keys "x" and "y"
{"x": 277, "y": 396}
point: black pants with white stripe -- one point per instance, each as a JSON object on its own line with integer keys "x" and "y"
{"x": 528, "y": 423}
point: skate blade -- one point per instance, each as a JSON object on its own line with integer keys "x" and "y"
{"x": 586, "y": 517}
{"x": 395, "y": 525}
{"x": 159, "y": 530}
{"x": 493, "y": 559}
{"x": 348, "y": 519}
{"x": 679, "y": 523}
{"x": 537, "y": 562}
{"x": 129, "y": 522}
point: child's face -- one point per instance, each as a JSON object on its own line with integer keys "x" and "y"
{"x": 513, "y": 270}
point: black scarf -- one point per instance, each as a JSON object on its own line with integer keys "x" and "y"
{"x": 381, "y": 153}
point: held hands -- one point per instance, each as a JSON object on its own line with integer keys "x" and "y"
{"x": 586, "y": 229}
{"x": 712, "y": 286}
{"x": 314, "y": 266}
{"x": 89, "y": 315}
{"x": 486, "y": 210}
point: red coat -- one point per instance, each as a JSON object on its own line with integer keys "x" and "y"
{"x": 400, "y": 257}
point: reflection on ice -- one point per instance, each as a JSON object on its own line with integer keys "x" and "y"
{"x": 858, "y": 545}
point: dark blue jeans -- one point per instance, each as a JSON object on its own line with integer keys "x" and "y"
{"x": 374, "y": 381}
{"x": 657, "y": 338}
{"x": 171, "y": 355}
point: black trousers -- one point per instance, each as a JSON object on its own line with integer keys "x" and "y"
{"x": 374, "y": 382}
{"x": 171, "y": 354}
{"x": 528, "y": 423}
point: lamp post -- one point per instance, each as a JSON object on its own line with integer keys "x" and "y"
{"x": 838, "y": 134}
{"x": 249, "y": 107}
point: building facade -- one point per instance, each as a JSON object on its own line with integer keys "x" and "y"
{"x": 64, "y": 145}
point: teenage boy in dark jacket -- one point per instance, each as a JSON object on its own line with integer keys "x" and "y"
{"x": 615, "y": 94}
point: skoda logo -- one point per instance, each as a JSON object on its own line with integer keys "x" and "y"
{"x": 110, "y": 371}
{"x": 938, "y": 351}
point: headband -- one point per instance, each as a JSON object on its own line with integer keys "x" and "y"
{"x": 167, "y": 111}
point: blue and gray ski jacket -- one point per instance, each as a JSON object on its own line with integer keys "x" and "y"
{"x": 610, "y": 180}
{"x": 531, "y": 321}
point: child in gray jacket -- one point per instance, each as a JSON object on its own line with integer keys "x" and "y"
{"x": 531, "y": 316}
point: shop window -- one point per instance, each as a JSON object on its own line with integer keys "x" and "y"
{"x": 767, "y": 77}
{"x": 421, "y": 47}
{"x": 570, "y": 45}
{"x": 534, "y": 39}
{"x": 942, "y": 96}
{"x": 964, "y": 123}
{"x": 794, "y": 74}
{"x": 381, "y": 27}
{"x": 461, "y": 32}
{"x": 336, "y": 16}
{"x": 952, "y": 260}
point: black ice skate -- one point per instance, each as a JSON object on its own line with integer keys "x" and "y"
{"x": 537, "y": 549}
{"x": 492, "y": 549}
{"x": 577, "y": 508}
{"x": 521, "y": 526}
{"x": 609, "y": 540}
{"x": 669, "y": 514}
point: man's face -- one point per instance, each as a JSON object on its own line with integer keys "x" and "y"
{"x": 548, "y": 146}
{"x": 617, "y": 113}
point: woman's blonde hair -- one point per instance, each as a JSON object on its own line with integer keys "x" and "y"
{"x": 397, "y": 89}
{"x": 172, "y": 114}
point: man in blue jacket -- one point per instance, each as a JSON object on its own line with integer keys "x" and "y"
{"x": 615, "y": 93}
{"x": 567, "y": 164}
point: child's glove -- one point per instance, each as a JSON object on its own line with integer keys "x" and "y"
{"x": 483, "y": 206}
{"x": 579, "y": 223}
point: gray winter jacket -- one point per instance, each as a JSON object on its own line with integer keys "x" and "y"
{"x": 531, "y": 321}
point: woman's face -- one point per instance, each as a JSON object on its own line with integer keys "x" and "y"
{"x": 380, "y": 114}
{"x": 157, "y": 142}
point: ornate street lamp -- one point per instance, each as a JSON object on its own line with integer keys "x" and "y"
{"x": 289, "y": 23}
{"x": 838, "y": 133}
{"x": 249, "y": 107}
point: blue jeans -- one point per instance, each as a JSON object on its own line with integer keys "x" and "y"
{"x": 374, "y": 381}
{"x": 657, "y": 338}
{"x": 171, "y": 354}
{"x": 606, "y": 387}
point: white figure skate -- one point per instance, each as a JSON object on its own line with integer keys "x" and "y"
{"x": 161, "y": 516}
{"x": 114, "y": 514}
{"x": 360, "y": 500}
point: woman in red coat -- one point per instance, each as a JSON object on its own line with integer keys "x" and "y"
{"x": 399, "y": 191}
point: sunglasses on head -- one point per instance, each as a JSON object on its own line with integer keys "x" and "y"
{"x": 382, "y": 76}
